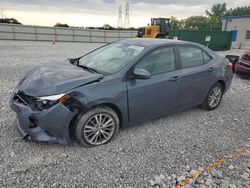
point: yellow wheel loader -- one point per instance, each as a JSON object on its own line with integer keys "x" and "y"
{"x": 159, "y": 28}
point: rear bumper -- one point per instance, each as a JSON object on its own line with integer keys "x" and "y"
{"x": 50, "y": 125}
{"x": 228, "y": 78}
{"x": 227, "y": 86}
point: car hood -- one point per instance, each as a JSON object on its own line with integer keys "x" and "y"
{"x": 55, "y": 78}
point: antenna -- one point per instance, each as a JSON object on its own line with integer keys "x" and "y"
{"x": 127, "y": 21}
{"x": 120, "y": 17}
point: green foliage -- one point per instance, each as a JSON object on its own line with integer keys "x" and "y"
{"x": 107, "y": 27}
{"x": 175, "y": 23}
{"x": 197, "y": 22}
{"x": 213, "y": 21}
{"x": 61, "y": 25}
{"x": 239, "y": 11}
{"x": 91, "y": 28}
{"x": 9, "y": 20}
{"x": 217, "y": 12}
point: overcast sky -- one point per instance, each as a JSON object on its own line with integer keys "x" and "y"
{"x": 98, "y": 12}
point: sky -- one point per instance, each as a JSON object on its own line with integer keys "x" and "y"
{"x": 84, "y": 13}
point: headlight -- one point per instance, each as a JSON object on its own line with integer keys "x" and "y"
{"x": 51, "y": 98}
{"x": 49, "y": 101}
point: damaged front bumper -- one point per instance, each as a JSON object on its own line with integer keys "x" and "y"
{"x": 51, "y": 125}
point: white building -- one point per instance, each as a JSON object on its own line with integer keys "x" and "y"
{"x": 240, "y": 28}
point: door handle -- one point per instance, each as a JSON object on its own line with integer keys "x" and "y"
{"x": 175, "y": 78}
{"x": 210, "y": 69}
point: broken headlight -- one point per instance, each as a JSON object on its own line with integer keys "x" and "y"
{"x": 49, "y": 101}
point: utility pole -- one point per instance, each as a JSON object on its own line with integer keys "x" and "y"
{"x": 2, "y": 13}
{"x": 127, "y": 19}
{"x": 120, "y": 17}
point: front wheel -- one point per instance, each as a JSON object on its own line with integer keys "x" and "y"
{"x": 213, "y": 98}
{"x": 98, "y": 126}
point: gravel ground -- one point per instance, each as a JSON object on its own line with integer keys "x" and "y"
{"x": 173, "y": 144}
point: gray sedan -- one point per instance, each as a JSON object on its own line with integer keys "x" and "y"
{"x": 89, "y": 98}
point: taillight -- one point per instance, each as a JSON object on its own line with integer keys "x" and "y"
{"x": 230, "y": 65}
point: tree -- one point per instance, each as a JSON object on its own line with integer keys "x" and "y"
{"x": 197, "y": 22}
{"x": 107, "y": 27}
{"x": 91, "y": 27}
{"x": 215, "y": 15}
{"x": 175, "y": 23}
{"x": 9, "y": 20}
{"x": 213, "y": 21}
{"x": 239, "y": 11}
{"x": 61, "y": 25}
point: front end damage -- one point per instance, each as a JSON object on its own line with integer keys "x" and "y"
{"x": 47, "y": 125}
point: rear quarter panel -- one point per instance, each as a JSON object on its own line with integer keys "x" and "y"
{"x": 223, "y": 71}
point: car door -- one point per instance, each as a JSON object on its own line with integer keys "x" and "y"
{"x": 197, "y": 75}
{"x": 159, "y": 94}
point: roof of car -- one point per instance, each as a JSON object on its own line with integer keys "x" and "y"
{"x": 152, "y": 42}
{"x": 148, "y": 43}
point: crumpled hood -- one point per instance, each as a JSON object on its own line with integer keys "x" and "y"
{"x": 55, "y": 78}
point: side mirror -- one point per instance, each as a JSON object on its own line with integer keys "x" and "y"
{"x": 73, "y": 61}
{"x": 141, "y": 74}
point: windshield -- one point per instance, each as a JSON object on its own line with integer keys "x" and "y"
{"x": 156, "y": 22}
{"x": 111, "y": 58}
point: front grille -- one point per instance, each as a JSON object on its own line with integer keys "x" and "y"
{"x": 21, "y": 98}
{"x": 245, "y": 65}
{"x": 32, "y": 102}
{"x": 26, "y": 100}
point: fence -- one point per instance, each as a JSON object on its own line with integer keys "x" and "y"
{"x": 39, "y": 33}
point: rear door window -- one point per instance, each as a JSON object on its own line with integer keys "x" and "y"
{"x": 192, "y": 56}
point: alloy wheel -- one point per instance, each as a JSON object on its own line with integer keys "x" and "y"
{"x": 214, "y": 97}
{"x": 99, "y": 129}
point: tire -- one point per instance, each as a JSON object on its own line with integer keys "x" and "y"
{"x": 160, "y": 36}
{"x": 97, "y": 127}
{"x": 208, "y": 104}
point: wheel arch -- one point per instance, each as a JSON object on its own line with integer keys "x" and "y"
{"x": 223, "y": 84}
{"x": 113, "y": 107}
{"x": 76, "y": 118}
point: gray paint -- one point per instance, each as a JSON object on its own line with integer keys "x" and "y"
{"x": 134, "y": 100}
{"x": 55, "y": 78}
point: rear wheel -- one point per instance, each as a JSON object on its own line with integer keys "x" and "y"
{"x": 213, "y": 98}
{"x": 98, "y": 126}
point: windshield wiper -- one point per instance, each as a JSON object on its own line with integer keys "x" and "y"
{"x": 88, "y": 68}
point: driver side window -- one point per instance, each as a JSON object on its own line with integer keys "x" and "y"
{"x": 159, "y": 61}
